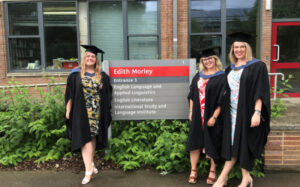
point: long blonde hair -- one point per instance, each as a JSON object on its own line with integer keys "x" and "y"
{"x": 249, "y": 55}
{"x": 97, "y": 68}
{"x": 218, "y": 63}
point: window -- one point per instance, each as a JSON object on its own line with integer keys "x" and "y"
{"x": 206, "y": 16}
{"x": 133, "y": 36}
{"x": 205, "y": 24}
{"x": 201, "y": 42}
{"x": 286, "y": 9}
{"x": 212, "y": 20}
{"x": 142, "y": 30}
{"x": 60, "y": 30}
{"x": 243, "y": 16}
{"x": 106, "y": 28}
{"x": 41, "y": 36}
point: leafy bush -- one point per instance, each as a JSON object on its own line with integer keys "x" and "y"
{"x": 32, "y": 127}
{"x": 158, "y": 143}
{"x": 35, "y": 128}
{"x": 278, "y": 107}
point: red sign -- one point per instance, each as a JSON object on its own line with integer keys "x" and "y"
{"x": 154, "y": 71}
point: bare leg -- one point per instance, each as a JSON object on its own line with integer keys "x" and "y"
{"x": 212, "y": 172}
{"x": 87, "y": 155}
{"x": 247, "y": 179}
{"x": 212, "y": 165}
{"x": 95, "y": 170}
{"x": 222, "y": 179}
{"x": 194, "y": 157}
{"x": 93, "y": 145}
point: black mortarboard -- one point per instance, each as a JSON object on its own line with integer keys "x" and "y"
{"x": 93, "y": 49}
{"x": 210, "y": 51}
{"x": 240, "y": 37}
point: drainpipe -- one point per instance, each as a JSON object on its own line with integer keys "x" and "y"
{"x": 175, "y": 29}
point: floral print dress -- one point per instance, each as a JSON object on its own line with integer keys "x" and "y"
{"x": 201, "y": 87}
{"x": 234, "y": 78}
{"x": 91, "y": 91}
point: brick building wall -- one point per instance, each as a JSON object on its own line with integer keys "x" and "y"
{"x": 166, "y": 8}
{"x": 167, "y": 29}
{"x": 3, "y": 63}
{"x": 283, "y": 150}
{"x": 166, "y": 25}
{"x": 182, "y": 26}
{"x": 266, "y": 34}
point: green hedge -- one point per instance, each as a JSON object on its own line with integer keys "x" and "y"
{"x": 158, "y": 143}
{"x": 35, "y": 128}
{"x": 32, "y": 127}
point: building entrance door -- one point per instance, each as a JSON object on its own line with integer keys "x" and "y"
{"x": 286, "y": 53}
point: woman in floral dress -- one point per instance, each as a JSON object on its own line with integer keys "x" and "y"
{"x": 88, "y": 104}
{"x": 247, "y": 115}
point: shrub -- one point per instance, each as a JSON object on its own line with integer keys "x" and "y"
{"x": 35, "y": 128}
{"x": 32, "y": 127}
{"x": 278, "y": 107}
{"x": 158, "y": 143}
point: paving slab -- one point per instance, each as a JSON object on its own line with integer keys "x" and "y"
{"x": 137, "y": 178}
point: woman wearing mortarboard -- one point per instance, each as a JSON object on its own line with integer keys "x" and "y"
{"x": 247, "y": 115}
{"x": 206, "y": 97}
{"x": 88, "y": 103}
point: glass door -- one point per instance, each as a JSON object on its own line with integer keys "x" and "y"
{"x": 286, "y": 53}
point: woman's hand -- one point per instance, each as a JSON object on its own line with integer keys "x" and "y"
{"x": 255, "y": 120}
{"x": 211, "y": 122}
{"x": 68, "y": 108}
{"x": 67, "y": 114}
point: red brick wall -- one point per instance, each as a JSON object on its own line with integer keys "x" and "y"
{"x": 166, "y": 16}
{"x": 167, "y": 29}
{"x": 266, "y": 34}
{"x": 3, "y": 63}
{"x": 283, "y": 150}
{"x": 182, "y": 26}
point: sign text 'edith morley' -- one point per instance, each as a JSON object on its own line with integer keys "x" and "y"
{"x": 149, "y": 92}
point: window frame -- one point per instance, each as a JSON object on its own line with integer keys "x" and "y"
{"x": 223, "y": 32}
{"x": 41, "y": 36}
{"x": 126, "y": 35}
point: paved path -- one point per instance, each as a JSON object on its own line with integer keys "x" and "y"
{"x": 139, "y": 178}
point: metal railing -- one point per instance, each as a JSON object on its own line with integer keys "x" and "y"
{"x": 55, "y": 84}
{"x": 275, "y": 82}
{"x": 34, "y": 85}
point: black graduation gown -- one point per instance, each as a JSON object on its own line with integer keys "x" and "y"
{"x": 248, "y": 142}
{"x": 209, "y": 137}
{"x": 78, "y": 130}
